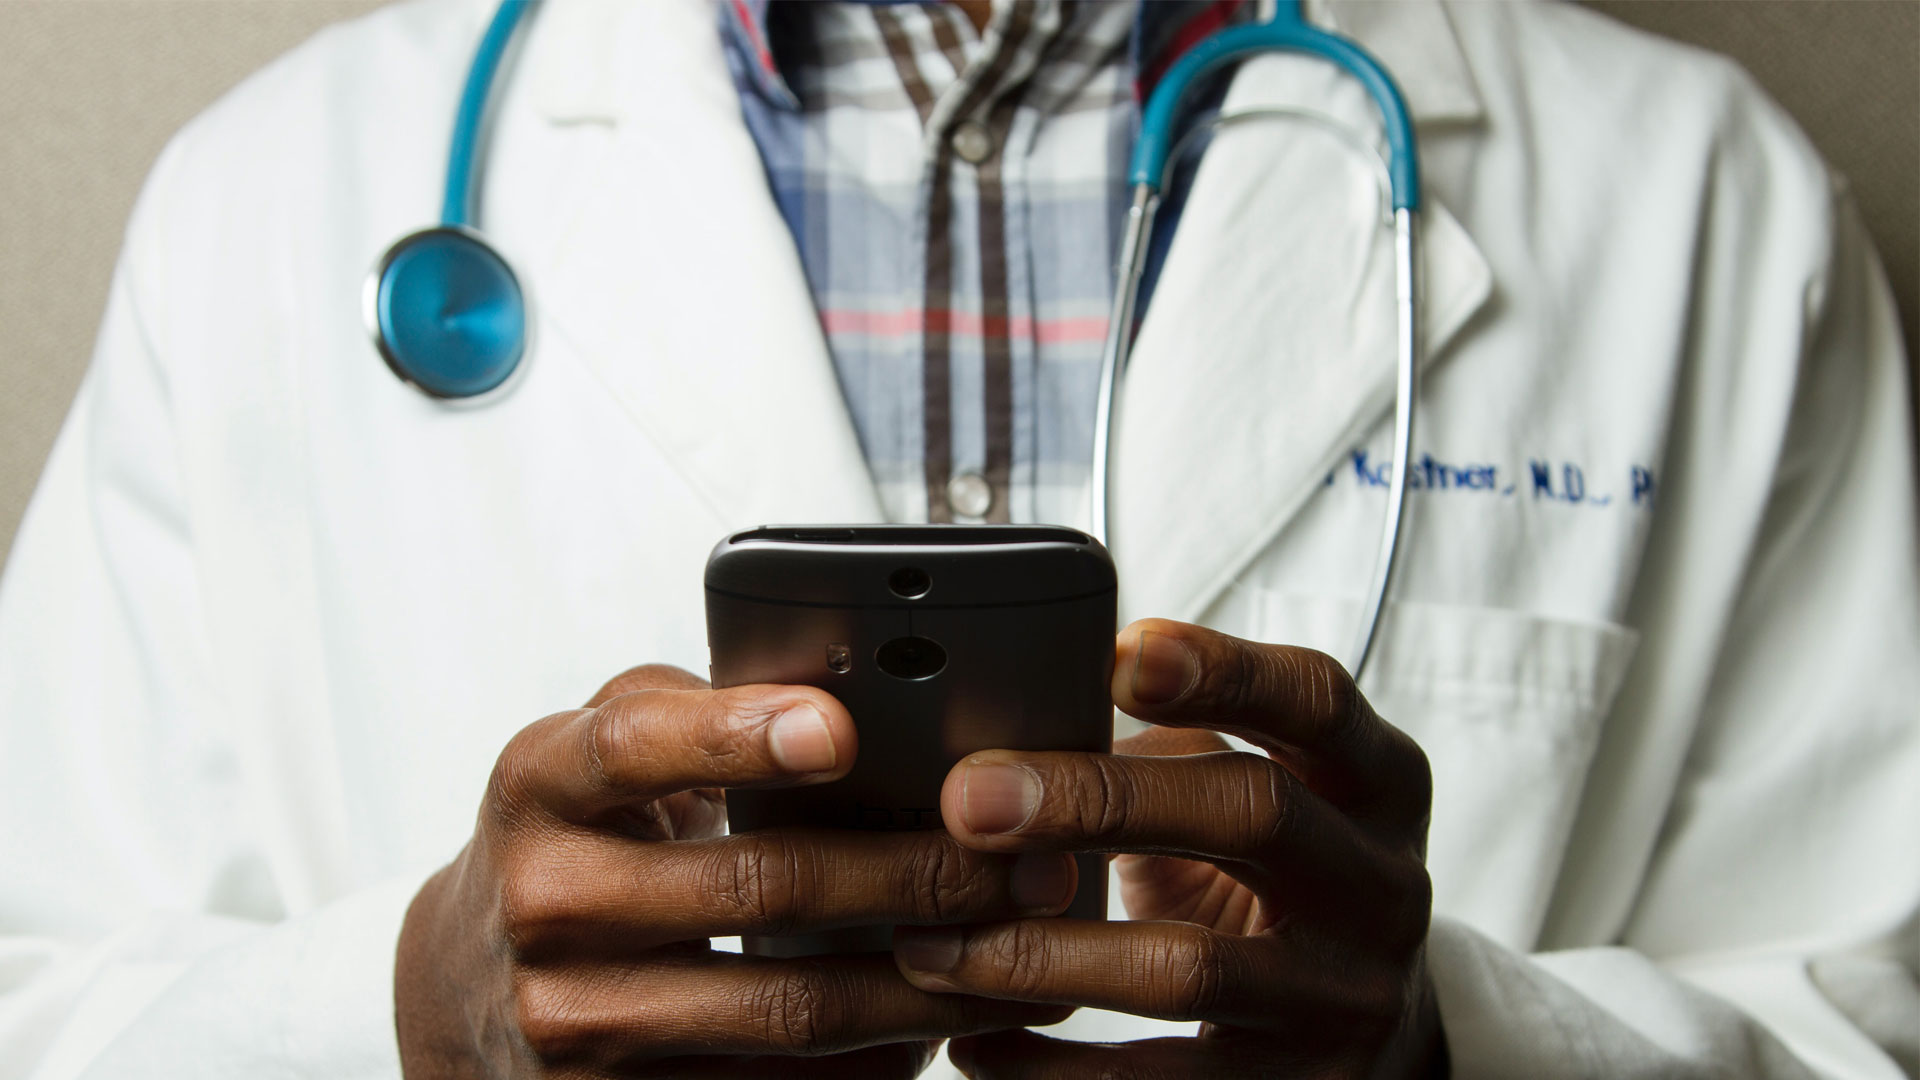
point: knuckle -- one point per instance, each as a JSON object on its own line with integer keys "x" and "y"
{"x": 1417, "y": 789}
{"x": 1251, "y": 678}
{"x": 1274, "y": 800}
{"x": 1022, "y": 956}
{"x": 549, "y": 1020}
{"x": 1237, "y": 677}
{"x": 512, "y": 785}
{"x": 757, "y": 880}
{"x": 715, "y": 716}
{"x": 1414, "y": 917}
{"x": 536, "y": 903}
{"x": 944, "y": 882}
{"x": 1105, "y": 800}
{"x": 1187, "y": 969}
{"x": 618, "y": 742}
{"x": 799, "y": 1011}
{"x": 1327, "y": 692}
{"x": 632, "y": 736}
{"x": 725, "y": 725}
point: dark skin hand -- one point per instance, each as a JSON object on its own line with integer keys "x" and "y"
{"x": 569, "y": 939}
{"x": 1282, "y": 900}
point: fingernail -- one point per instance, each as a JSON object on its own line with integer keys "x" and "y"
{"x": 998, "y": 798}
{"x": 934, "y": 951}
{"x": 1041, "y": 882}
{"x": 801, "y": 741}
{"x": 1163, "y": 668}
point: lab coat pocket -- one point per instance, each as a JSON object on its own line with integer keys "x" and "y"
{"x": 1508, "y": 707}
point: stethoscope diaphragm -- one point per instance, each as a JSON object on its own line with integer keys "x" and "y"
{"x": 447, "y": 312}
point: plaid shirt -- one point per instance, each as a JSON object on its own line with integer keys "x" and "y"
{"x": 956, "y": 200}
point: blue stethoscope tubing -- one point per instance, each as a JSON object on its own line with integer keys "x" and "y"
{"x": 449, "y": 315}
{"x": 1154, "y": 154}
{"x": 446, "y": 310}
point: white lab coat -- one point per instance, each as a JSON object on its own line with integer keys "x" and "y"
{"x": 272, "y": 615}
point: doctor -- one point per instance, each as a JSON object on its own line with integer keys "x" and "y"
{"x": 273, "y": 616}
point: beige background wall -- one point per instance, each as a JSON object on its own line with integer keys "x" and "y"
{"x": 91, "y": 89}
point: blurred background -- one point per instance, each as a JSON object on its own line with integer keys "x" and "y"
{"x": 91, "y": 89}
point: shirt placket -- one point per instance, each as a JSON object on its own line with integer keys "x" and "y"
{"x": 969, "y": 302}
{"x": 1061, "y": 283}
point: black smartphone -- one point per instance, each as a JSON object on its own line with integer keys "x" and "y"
{"x": 941, "y": 640}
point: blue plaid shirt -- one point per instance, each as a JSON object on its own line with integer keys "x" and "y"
{"x": 956, "y": 200}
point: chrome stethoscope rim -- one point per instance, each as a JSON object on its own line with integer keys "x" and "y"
{"x": 1118, "y": 344}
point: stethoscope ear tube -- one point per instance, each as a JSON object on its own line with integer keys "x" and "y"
{"x": 1405, "y": 392}
{"x": 1118, "y": 346}
{"x": 1154, "y": 153}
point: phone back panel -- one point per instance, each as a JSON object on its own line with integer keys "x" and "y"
{"x": 1024, "y": 618}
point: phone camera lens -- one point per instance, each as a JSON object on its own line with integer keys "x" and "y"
{"x": 911, "y": 658}
{"x": 839, "y": 658}
{"x": 909, "y": 582}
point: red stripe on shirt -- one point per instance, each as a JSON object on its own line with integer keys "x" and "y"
{"x": 963, "y": 323}
{"x": 760, "y": 50}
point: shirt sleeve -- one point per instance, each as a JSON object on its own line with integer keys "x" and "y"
{"x": 141, "y": 930}
{"x": 1772, "y": 934}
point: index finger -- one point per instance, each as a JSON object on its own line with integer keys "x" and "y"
{"x": 1297, "y": 704}
{"x": 645, "y": 745}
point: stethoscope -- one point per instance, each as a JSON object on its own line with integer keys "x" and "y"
{"x": 1155, "y": 153}
{"x": 446, "y": 310}
{"x": 450, "y": 317}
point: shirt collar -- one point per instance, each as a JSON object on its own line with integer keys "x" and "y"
{"x": 574, "y": 76}
{"x": 1161, "y": 32}
{"x": 744, "y": 23}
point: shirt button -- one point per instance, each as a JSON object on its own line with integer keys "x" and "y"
{"x": 969, "y": 494}
{"x": 972, "y": 141}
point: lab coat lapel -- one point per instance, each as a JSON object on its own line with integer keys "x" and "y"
{"x": 671, "y": 274}
{"x": 1268, "y": 348}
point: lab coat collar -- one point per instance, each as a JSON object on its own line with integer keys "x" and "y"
{"x": 576, "y": 75}
{"x": 1415, "y": 41}
{"x": 572, "y": 66}
{"x": 668, "y": 271}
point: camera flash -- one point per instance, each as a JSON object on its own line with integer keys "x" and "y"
{"x": 839, "y": 657}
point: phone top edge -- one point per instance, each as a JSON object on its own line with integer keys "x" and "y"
{"x": 959, "y": 565}
{"x": 920, "y": 535}
{"x": 915, "y": 603}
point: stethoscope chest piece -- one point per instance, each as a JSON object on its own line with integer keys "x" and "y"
{"x": 447, "y": 313}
